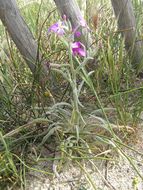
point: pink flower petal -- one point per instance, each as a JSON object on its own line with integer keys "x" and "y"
{"x": 83, "y": 22}
{"x": 81, "y": 52}
{"x": 78, "y": 49}
{"x": 75, "y": 45}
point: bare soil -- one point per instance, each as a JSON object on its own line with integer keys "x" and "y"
{"x": 118, "y": 174}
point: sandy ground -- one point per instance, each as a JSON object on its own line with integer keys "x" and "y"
{"x": 101, "y": 175}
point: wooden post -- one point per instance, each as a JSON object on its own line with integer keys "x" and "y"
{"x": 21, "y": 35}
{"x": 127, "y": 25}
{"x": 71, "y": 9}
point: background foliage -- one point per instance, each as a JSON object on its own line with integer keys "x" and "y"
{"x": 112, "y": 95}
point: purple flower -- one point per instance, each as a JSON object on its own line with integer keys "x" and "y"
{"x": 57, "y": 28}
{"x": 64, "y": 17}
{"x": 77, "y": 34}
{"x": 83, "y": 22}
{"x": 78, "y": 49}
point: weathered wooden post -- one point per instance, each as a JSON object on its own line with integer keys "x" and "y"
{"x": 127, "y": 26}
{"x": 72, "y": 11}
{"x": 21, "y": 35}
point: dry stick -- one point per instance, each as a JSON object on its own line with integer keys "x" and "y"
{"x": 126, "y": 20}
{"x": 22, "y": 36}
{"x": 27, "y": 125}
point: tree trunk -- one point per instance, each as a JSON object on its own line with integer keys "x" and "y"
{"x": 71, "y": 9}
{"x": 127, "y": 25}
{"x": 21, "y": 35}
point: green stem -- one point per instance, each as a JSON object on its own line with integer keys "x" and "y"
{"x": 76, "y": 112}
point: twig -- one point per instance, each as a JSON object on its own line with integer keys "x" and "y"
{"x": 30, "y": 124}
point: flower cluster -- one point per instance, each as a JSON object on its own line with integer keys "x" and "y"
{"x": 60, "y": 29}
